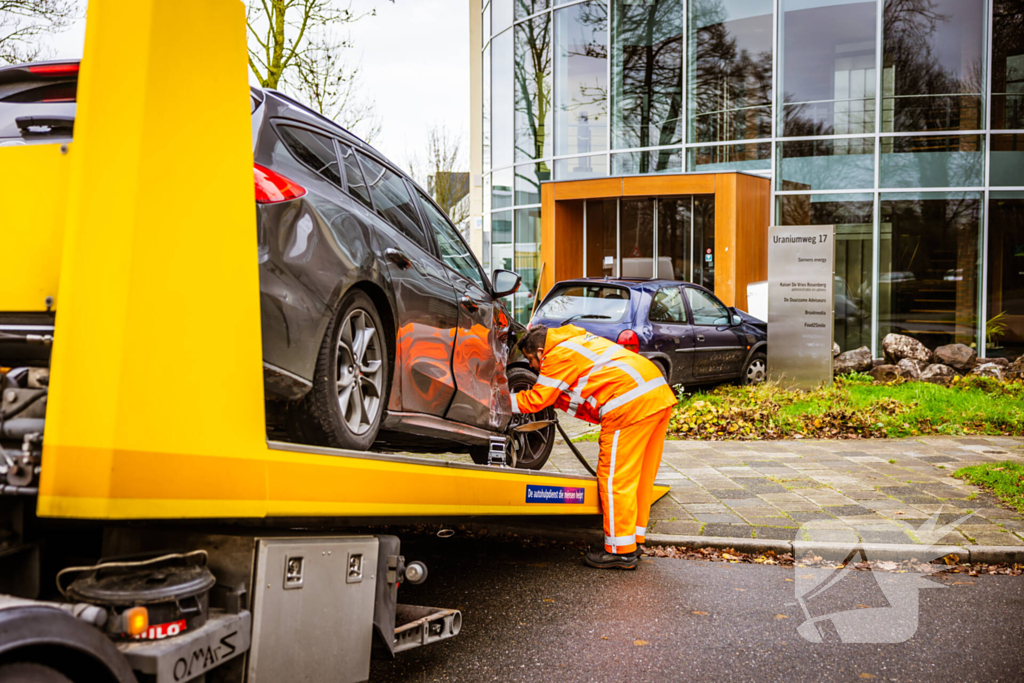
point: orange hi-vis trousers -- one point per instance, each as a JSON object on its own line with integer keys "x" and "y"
{"x": 626, "y": 469}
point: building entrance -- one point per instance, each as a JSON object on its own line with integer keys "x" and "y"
{"x": 661, "y": 237}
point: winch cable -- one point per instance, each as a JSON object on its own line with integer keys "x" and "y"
{"x": 572, "y": 447}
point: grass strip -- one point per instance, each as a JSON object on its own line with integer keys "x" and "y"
{"x": 1004, "y": 479}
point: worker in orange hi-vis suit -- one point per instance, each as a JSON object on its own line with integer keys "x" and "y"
{"x": 599, "y": 381}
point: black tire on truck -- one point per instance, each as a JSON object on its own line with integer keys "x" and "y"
{"x": 30, "y": 672}
{"x": 351, "y": 381}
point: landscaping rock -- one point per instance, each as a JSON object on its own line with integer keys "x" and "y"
{"x": 1016, "y": 368}
{"x": 858, "y": 360}
{"x": 1003, "y": 363}
{"x": 960, "y": 357}
{"x": 908, "y": 369}
{"x": 937, "y": 374}
{"x": 988, "y": 370}
{"x": 835, "y": 349}
{"x": 885, "y": 373}
{"x": 899, "y": 346}
{"x": 875, "y": 362}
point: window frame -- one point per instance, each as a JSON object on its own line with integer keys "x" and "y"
{"x": 429, "y": 246}
{"x": 418, "y": 192}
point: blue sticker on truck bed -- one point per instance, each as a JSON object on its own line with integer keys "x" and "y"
{"x": 553, "y": 494}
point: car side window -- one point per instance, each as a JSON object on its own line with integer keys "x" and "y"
{"x": 454, "y": 251}
{"x": 313, "y": 150}
{"x": 706, "y": 310}
{"x": 667, "y": 306}
{"x": 392, "y": 200}
{"x": 354, "y": 181}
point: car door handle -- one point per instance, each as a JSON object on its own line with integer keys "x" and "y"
{"x": 469, "y": 304}
{"x": 397, "y": 257}
{"x": 700, "y": 337}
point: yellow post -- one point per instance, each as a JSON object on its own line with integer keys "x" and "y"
{"x": 158, "y": 341}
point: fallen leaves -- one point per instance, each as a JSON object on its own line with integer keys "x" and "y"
{"x": 640, "y": 643}
{"x": 699, "y": 613}
{"x": 781, "y": 616}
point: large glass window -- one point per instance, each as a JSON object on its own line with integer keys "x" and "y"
{"x": 851, "y": 214}
{"x": 601, "y": 237}
{"x": 486, "y": 128}
{"x": 1005, "y": 325}
{"x": 392, "y": 200}
{"x": 928, "y": 266}
{"x": 581, "y": 78}
{"x": 828, "y": 60}
{"x": 1007, "y": 160}
{"x": 730, "y": 65}
{"x": 647, "y": 58}
{"x": 637, "y": 246}
{"x": 501, "y": 100}
{"x": 932, "y": 161}
{"x": 501, "y": 188}
{"x": 525, "y": 8}
{"x": 501, "y": 15}
{"x": 528, "y": 180}
{"x": 675, "y": 239}
{"x": 649, "y": 161}
{"x": 578, "y": 168}
{"x": 747, "y": 156}
{"x": 831, "y": 164}
{"x": 527, "y": 261}
{"x": 501, "y": 244}
{"x": 1008, "y": 64}
{"x": 533, "y": 88}
{"x": 933, "y": 65}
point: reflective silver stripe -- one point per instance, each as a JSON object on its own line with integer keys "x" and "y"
{"x": 619, "y": 540}
{"x": 515, "y": 403}
{"x": 576, "y": 394}
{"x": 641, "y": 531}
{"x": 580, "y": 349}
{"x": 611, "y": 478}
{"x": 552, "y": 382}
{"x": 626, "y": 368}
{"x": 631, "y": 395}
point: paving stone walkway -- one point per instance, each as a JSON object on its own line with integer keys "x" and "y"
{"x": 876, "y": 491}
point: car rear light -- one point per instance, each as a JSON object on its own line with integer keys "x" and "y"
{"x": 628, "y": 340}
{"x": 53, "y": 69}
{"x": 273, "y": 187}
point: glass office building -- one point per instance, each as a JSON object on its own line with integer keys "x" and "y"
{"x": 901, "y": 122}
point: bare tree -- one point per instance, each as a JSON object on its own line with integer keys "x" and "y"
{"x": 330, "y": 85}
{"x": 443, "y": 174}
{"x": 22, "y": 22}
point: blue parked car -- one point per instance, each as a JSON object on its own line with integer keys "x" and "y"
{"x": 683, "y": 328}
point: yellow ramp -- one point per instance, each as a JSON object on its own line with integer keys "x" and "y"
{"x": 156, "y": 400}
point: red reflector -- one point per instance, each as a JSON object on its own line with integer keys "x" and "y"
{"x": 53, "y": 69}
{"x": 628, "y": 340}
{"x": 273, "y": 187}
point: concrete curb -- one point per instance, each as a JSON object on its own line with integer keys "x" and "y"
{"x": 987, "y": 554}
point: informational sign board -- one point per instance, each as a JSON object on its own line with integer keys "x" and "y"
{"x": 801, "y": 275}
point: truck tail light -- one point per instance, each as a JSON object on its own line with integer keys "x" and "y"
{"x": 273, "y": 187}
{"x": 628, "y": 340}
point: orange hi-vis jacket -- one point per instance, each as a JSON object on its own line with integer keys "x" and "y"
{"x": 596, "y": 380}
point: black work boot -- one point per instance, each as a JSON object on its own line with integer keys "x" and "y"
{"x": 605, "y": 560}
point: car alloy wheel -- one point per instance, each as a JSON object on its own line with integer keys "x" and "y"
{"x": 359, "y": 373}
{"x": 756, "y": 372}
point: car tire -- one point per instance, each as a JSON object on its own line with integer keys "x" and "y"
{"x": 352, "y": 378}
{"x": 663, "y": 366}
{"x": 30, "y": 672}
{"x": 535, "y": 445}
{"x": 755, "y": 371}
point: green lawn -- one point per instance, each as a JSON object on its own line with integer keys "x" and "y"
{"x": 853, "y": 407}
{"x": 1004, "y": 479}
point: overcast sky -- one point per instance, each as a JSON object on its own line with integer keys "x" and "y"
{"x": 415, "y": 66}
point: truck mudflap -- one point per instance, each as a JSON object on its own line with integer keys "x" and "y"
{"x": 191, "y": 654}
{"x": 417, "y": 626}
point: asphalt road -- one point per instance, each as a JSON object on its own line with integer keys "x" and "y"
{"x": 538, "y": 614}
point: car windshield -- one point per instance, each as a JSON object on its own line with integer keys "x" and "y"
{"x": 586, "y": 302}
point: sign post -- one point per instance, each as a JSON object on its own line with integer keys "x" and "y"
{"x": 801, "y": 276}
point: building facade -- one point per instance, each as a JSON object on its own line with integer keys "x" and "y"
{"x": 901, "y": 122}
